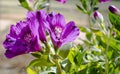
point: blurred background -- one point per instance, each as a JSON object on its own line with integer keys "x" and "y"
{"x": 11, "y": 12}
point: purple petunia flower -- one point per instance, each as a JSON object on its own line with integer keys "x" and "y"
{"x": 103, "y": 1}
{"x": 39, "y": 18}
{"x": 23, "y": 38}
{"x": 60, "y": 32}
{"x": 98, "y": 16}
{"x": 113, "y": 9}
{"x": 62, "y": 1}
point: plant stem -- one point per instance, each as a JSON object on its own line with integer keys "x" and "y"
{"x": 106, "y": 53}
{"x": 89, "y": 19}
{"x": 58, "y": 67}
{"x": 49, "y": 48}
{"x": 48, "y": 7}
{"x": 56, "y": 59}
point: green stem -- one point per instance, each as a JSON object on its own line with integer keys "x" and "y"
{"x": 56, "y": 59}
{"x": 48, "y": 7}
{"x": 106, "y": 58}
{"x": 89, "y": 19}
{"x": 108, "y": 37}
{"x": 49, "y": 48}
{"x": 58, "y": 67}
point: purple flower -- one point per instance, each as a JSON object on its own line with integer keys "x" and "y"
{"x": 60, "y": 32}
{"x": 23, "y": 38}
{"x": 39, "y": 18}
{"x": 98, "y": 16}
{"x": 103, "y": 1}
{"x": 62, "y": 1}
{"x": 113, "y": 9}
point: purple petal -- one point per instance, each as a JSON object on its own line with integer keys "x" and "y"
{"x": 113, "y": 9}
{"x": 70, "y": 32}
{"x": 62, "y": 1}
{"x": 60, "y": 32}
{"x": 98, "y": 16}
{"x": 41, "y": 16}
{"x": 22, "y": 40}
{"x": 56, "y": 42}
{"x": 103, "y": 1}
{"x": 56, "y": 20}
{"x": 59, "y": 20}
{"x": 38, "y": 19}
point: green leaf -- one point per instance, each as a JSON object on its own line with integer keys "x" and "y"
{"x": 87, "y": 43}
{"x": 83, "y": 29}
{"x": 79, "y": 55}
{"x": 84, "y": 4}
{"x": 67, "y": 66}
{"x": 64, "y": 50}
{"x": 81, "y": 9}
{"x": 43, "y": 61}
{"x": 36, "y": 54}
{"x": 115, "y": 20}
{"x": 84, "y": 71}
{"x": 41, "y": 6}
{"x": 30, "y": 71}
{"x": 89, "y": 35}
{"x": 94, "y": 3}
{"x": 25, "y": 4}
{"x": 79, "y": 58}
{"x": 71, "y": 55}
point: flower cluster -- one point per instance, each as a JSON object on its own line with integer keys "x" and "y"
{"x": 25, "y": 36}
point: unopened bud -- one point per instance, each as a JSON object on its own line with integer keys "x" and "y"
{"x": 98, "y": 16}
{"x": 103, "y": 1}
{"x": 113, "y": 9}
{"x": 62, "y": 1}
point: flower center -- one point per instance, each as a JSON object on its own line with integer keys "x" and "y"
{"x": 28, "y": 37}
{"x": 58, "y": 31}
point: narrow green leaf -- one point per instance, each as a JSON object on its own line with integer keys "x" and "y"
{"x": 115, "y": 20}
{"x": 25, "y": 4}
{"x": 81, "y": 9}
{"x": 43, "y": 61}
{"x": 83, "y": 29}
{"x": 84, "y": 4}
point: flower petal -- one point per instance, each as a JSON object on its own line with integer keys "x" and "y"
{"x": 62, "y": 1}
{"x": 24, "y": 42}
{"x": 70, "y": 32}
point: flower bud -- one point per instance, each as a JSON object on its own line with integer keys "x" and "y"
{"x": 62, "y": 1}
{"x": 98, "y": 16}
{"x": 113, "y": 9}
{"x": 103, "y": 1}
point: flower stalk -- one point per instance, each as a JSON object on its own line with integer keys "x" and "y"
{"x": 56, "y": 60}
{"x": 48, "y": 6}
{"x": 106, "y": 53}
{"x": 58, "y": 67}
{"x": 108, "y": 36}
